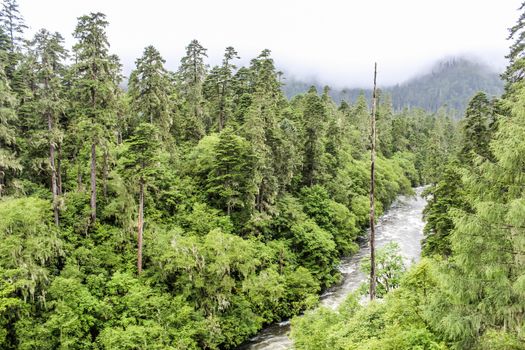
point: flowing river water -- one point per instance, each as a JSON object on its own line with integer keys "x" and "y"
{"x": 402, "y": 223}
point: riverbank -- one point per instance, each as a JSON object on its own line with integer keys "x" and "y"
{"x": 402, "y": 223}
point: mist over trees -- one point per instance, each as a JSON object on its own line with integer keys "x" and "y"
{"x": 199, "y": 205}
{"x": 468, "y": 290}
{"x": 450, "y": 84}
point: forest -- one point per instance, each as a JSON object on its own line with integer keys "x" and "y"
{"x": 451, "y": 84}
{"x": 196, "y": 206}
{"x": 468, "y": 291}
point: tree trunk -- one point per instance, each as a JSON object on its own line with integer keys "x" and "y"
{"x": 54, "y": 190}
{"x": 2, "y": 181}
{"x": 140, "y": 227}
{"x": 372, "y": 192}
{"x": 221, "y": 108}
{"x": 93, "y": 182}
{"x": 59, "y": 170}
{"x": 79, "y": 176}
{"x": 105, "y": 174}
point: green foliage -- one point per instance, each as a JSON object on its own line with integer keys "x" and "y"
{"x": 450, "y": 82}
{"x": 150, "y": 90}
{"x": 445, "y": 196}
{"x": 469, "y": 293}
{"x": 31, "y": 245}
{"x": 332, "y": 217}
{"x": 389, "y": 268}
{"x": 476, "y": 128}
{"x": 246, "y": 201}
{"x": 397, "y": 322}
{"x": 231, "y": 179}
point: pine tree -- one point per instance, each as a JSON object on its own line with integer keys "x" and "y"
{"x": 483, "y": 298}
{"x": 94, "y": 87}
{"x": 336, "y": 132}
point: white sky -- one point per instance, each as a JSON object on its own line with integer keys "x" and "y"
{"x": 336, "y": 41}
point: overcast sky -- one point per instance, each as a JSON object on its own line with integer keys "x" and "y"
{"x": 336, "y": 41}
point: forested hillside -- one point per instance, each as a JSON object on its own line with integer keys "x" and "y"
{"x": 450, "y": 84}
{"x": 468, "y": 292}
{"x": 187, "y": 211}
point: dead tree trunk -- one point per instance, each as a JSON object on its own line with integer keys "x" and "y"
{"x": 372, "y": 191}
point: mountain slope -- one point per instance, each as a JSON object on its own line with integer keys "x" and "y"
{"x": 450, "y": 83}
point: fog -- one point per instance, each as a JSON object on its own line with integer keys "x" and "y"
{"x": 335, "y": 42}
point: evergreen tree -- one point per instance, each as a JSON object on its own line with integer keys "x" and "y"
{"x": 139, "y": 159}
{"x": 49, "y": 102}
{"x": 192, "y": 73}
{"x": 446, "y": 196}
{"x": 13, "y": 24}
{"x": 515, "y": 71}
{"x": 260, "y": 126}
{"x": 150, "y": 90}
{"x": 9, "y": 162}
{"x": 94, "y": 87}
{"x": 231, "y": 179}
{"x": 314, "y": 117}
{"x": 218, "y": 88}
{"x": 335, "y": 134}
{"x": 384, "y": 124}
{"x": 360, "y": 119}
{"x": 477, "y": 128}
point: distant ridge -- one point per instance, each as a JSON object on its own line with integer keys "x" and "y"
{"x": 450, "y": 83}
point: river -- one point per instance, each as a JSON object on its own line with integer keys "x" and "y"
{"x": 402, "y": 223}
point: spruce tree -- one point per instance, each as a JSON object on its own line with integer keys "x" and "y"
{"x": 13, "y": 24}
{"x": 261, "y": 126}
{"x": 94, "y": 87}
{"x": 360, "y": 119}
{"x": 150, "y": 89}
{"x": 230, "y": 182}
{"x": 218, "y": 88}
{"x": 192, "y": 73}
{"x": 476, "y": 128}
{"x": 314, "y": 117}
{"x": 50, "y": 54}
{"x": 515, "y": 71}
{"x": 139, "y": 159}
{"x": 9, "y": 161}
{"x": 446, "y": 195}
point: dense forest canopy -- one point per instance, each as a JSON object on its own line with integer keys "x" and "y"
{"x": 468, "y": 292}
{"x": 201, "y": 204}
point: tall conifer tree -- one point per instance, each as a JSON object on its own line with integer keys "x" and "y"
{"x": 94, "y": 87}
